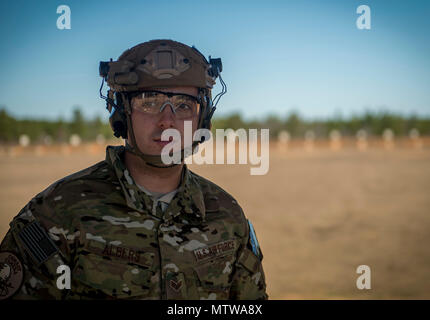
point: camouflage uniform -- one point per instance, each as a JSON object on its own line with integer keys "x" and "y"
{"x": 104, "y": 229}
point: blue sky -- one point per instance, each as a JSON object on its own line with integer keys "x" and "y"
{"x": 278, "y": 56}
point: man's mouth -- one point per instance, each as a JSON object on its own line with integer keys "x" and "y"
{"x": 163, "y": 143}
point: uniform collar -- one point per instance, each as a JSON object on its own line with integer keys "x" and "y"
{"x": 159, "y": 196}
{"x": 189, "y": 198}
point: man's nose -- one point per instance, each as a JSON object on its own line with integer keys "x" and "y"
{"x": 167, "y": 116}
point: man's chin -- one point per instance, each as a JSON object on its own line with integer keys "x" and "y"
{"x": 157, "y": 149}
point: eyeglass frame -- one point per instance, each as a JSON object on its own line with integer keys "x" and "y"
{"x": 169, "y": 95}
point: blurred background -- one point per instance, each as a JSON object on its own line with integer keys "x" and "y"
{"x": 348, "y": 111}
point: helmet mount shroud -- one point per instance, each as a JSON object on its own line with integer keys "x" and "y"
{"x": 158, "y": 63}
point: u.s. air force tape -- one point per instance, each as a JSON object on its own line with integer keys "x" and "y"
{"x": 37, "y": 242}
{"x": 253, "y": 239}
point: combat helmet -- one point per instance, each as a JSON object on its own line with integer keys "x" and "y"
{"x": 157, "y": 63}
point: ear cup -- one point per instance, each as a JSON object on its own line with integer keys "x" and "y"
{"x": 117, "y": 119}
{"x": 210, "y": 112}
{"x": 118, "y": 123}
{"x": 207, "y": 116}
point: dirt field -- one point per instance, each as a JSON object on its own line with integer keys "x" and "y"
{"x": 318, "y": 215}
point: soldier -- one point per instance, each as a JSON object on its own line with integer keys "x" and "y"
{"x": 132, "y": 227}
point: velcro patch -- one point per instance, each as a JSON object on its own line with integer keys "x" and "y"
{"x": 249, "y": 260}
{"x": 214, "y": 250}
{"x": 37, "y": 242}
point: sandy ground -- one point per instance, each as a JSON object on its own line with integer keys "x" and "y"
{"x": 318, "y": 215}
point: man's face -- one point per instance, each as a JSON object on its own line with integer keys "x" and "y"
{"x": 149, "y": 127}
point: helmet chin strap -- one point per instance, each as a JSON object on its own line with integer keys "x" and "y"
{"x": 151, "y": 160}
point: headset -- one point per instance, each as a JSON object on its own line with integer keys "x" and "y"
{"x": 116, "y": 107}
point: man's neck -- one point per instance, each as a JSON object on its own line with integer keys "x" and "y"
{"x": 154, "y": 179}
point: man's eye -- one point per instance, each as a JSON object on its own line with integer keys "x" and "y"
{"x": 149, "y": 94}
{"x": 184, "y": 106}
{"x": 148, "y": 106}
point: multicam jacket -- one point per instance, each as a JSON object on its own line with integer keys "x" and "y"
{"x": 102, "y": 226}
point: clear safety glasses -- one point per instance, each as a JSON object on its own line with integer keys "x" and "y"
{"x": 184, "y": 106}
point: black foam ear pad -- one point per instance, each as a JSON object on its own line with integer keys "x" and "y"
{"x": 117, "y": 119}
{"x": 207, "y": 116}
{"x": 118, "y": 123}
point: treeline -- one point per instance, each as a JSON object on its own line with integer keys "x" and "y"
{"x": 41, "y": 131}
{"x": 374, "y": 123}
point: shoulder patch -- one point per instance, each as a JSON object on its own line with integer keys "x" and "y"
{"x": 37, "y": 242}
{"x": 253, "y": 240}
{"x": 11, "y": 274}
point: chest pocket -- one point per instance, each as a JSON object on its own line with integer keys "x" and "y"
{"x": 215, "y": 278}
{"x": 113, "y": 271}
